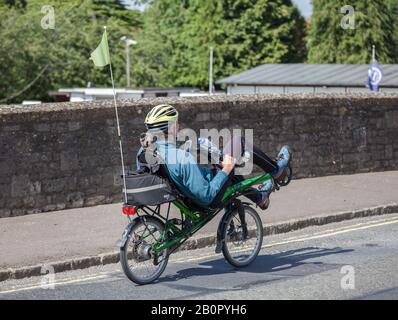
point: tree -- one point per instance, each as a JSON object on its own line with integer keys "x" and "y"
{"x": 329, "y": 42}
{"x": 116, "y": 9}
{"x": 13, "y": 3}
{"x": 34, "y": 60}
{"x": 176, "y": 37}
{"x": 393, "y": 7}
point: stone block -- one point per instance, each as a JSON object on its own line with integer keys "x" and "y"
{"x": 43, "y": 127}
{"x": 69, "y": 161}
{"x": 92, "y": 201}
{"x": 391, "y": 118}
{"x": 203, "y": 116}
{"x": 5, "y": 213}
{"x": 73, "y": 126}
{"x": 18, "y": 212}
{"x": 22, "y": 186}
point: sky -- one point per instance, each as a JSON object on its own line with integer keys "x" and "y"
{"x": 305, "y": 6}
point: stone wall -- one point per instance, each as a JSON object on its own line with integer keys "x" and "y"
{"x": 57, "y": 156}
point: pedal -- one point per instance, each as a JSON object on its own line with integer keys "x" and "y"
{"x": 187, "y": 225}
{"x": 176, "y": 221}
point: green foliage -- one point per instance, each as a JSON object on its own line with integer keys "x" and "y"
{"x": 328, "y": 42}
{"x": 63, "y": 52}
{"x": 174, "y": 38}
{"x": 116, "y": 9}
{"x": 393, "y": 7}
{"x": 174, "y": 44}
{"x": 13, "y": 3}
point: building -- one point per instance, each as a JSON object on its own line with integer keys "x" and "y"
{"x": 308, "y": 78}
{"x": 91, "y": 94}
{"x": 31, "y": 102}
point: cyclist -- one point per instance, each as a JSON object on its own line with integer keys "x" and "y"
{"x": 200, "y": 183}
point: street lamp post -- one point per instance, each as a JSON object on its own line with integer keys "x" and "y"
{"x": 129, "y": 42}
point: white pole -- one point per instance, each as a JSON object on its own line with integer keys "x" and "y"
{"x": 118, "y": 128}
{"x": 128, "y": 65}
{"x": 373, "y": 53}
{"x": 211, "y": 72}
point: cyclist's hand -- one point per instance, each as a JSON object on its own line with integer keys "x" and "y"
{"x": 228, "y": 163}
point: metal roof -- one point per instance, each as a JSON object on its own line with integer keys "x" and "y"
{"x": 301, "y": 74}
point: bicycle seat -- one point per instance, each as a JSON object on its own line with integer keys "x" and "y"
{"x": 189, "y": 202}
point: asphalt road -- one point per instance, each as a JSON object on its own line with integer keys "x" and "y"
{"x": 357, "y": 259}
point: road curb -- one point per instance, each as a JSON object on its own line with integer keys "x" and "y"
{"x": 195, "y": 243}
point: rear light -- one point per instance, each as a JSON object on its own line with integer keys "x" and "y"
{"x": 129, "y": 210}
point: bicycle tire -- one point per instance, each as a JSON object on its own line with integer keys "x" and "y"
{"x": 259, "y": 234}
{"x": 124, "y": 253}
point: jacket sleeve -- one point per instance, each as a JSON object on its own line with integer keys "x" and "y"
{"x": 198, "y": 182}
{"x": 206, "y": 173}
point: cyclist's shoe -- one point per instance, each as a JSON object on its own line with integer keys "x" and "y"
{"x": 283, "y": 160}
{"x": 263, "y": 197}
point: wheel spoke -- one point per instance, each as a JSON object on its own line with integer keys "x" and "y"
{"x": 242, "y": 250}
{"x": 139, "y": 262}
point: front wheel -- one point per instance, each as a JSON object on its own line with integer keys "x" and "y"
{"x": 242, "y": 236}
{"x": 140, "y": 264}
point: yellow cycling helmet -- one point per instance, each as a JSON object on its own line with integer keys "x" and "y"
{"x": 160, "y": 117}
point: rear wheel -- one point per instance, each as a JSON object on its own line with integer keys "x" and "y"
{"x": 140, "y": 264}
{"x": 242, "y": 236}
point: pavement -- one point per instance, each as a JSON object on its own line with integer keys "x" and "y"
{"x": 84, "y": 237}
{"x": 354, "y": 259}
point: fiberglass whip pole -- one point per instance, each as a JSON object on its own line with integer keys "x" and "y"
{"x": 118, "y": 130}
{"x": 211, "y": 72}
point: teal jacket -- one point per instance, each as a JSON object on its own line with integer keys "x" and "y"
{"x": 196, "y": 182}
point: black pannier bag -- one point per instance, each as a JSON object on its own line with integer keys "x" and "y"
{"x": 148, "y": 189}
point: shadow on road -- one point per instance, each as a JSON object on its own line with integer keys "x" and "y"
{"x": 206, "y": 278}
{"x": 290, "y": 263}
{"x": 386, "y": 294}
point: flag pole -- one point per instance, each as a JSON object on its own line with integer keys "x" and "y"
{"x": 211, "y": 72}
{"x": 118, "y": 126}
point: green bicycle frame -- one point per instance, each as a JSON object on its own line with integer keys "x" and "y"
{"x": 181, "y": 235}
